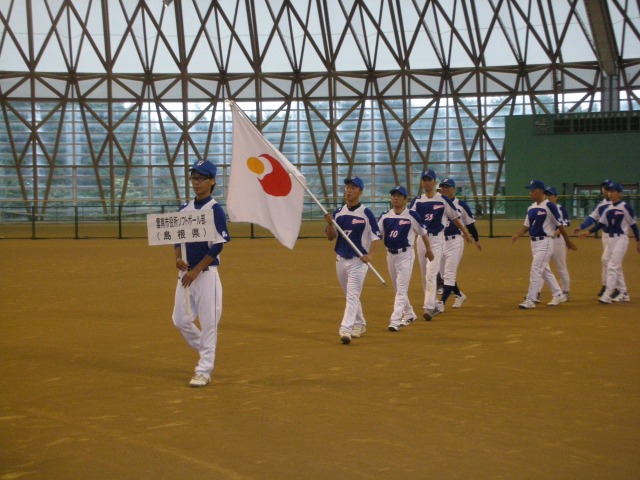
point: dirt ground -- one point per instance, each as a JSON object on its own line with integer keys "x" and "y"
{"x": 94, "y": 380}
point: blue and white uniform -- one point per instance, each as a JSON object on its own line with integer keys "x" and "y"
{"x": 542, "y": 220}
{"x": 205, "y": 293}
{"x": 359, "y": 223}
{"x": 559, "y": 255}
{"x": 435, "y": 213}
{"x": 616, "y": 221}
{"x": 454, "y": 242}
{"x": 399, "y": 231}
{"x": 593, "y": 219}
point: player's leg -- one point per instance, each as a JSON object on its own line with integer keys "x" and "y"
{"x": 541, "y": 251}
{"x": 185, "y": 323}
{"x": 354, "y": 272}
{"x": 422, "y": 261}
{"x": 560, "y": 259}
{"x": 431, "y": 276}
{"x": 208, "y": 292}
{"x": 617, "y": 247}
{"x": 402, "y": 269}
{"x": 452, "y": 254}
{"x": 604, "y": 262}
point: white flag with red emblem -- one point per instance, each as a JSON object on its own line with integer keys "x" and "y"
{"x": 264, "y": 187}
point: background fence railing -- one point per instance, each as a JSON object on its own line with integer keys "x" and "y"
{"x": 496, "y": 217}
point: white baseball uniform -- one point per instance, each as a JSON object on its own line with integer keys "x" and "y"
{"x": 542, "y": 221}
{"x": 454, "y": 243}
{"x": 205, "y": 293}
{"x": 434, "y": 213}
{"x": 399, "y": 231}
{"x": 359, "y": 223}
{"x": 616, "y": 221}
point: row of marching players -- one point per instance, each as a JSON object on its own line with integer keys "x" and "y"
{"x": 436, "y": 221}
{"x": 443, "y": 223}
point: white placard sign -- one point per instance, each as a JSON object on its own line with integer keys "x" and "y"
{"x": 181, "y": 227}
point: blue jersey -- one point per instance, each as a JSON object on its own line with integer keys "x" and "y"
{"x": 466, "y": 217}
{"x": 618, "y": 218}
{"x": 435, "y": 212}
{"x": 197, "y": 250}
{"x": 399, "y": 230}
{"x": 542, "y": 219}
{"x": 360, "y": 226}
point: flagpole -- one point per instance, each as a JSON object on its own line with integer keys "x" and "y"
{"x": 232, "y": 104}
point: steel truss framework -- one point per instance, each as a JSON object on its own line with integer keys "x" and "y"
{"x": 414, "y": 75}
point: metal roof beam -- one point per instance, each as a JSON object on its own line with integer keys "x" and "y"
{"x": 603, "y": 36}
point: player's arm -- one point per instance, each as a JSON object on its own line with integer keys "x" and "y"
{"x": 474, "y": 233}
{"x": 191, "y": 274}
{"x": 180, "y": 263}
{"x": 463, "y": 229}
{"x": 330, "y": 231}
{"x": 427, "y": 246}
{"x": 521, "y": 231}
{"x": 563, "y": 231}
{"x": 372, "y": 251}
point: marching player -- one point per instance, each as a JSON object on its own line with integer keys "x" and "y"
{"x": 435, "y": 211}
{"x": 592, "y": 220}
{"x": 199, "y": 272}
{"x": 399, "y": 228}
{"x": 454, "y": 244}
{"x": 542, "y": 220}
{"x": 616, "y": 222}
{"x": 359, "y": 223}
{"x": 559, "y": 255}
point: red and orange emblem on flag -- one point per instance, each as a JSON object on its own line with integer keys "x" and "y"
{"x": 272, "y": 176}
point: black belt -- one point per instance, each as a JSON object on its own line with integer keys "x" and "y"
{"x": 535, "y": 239}
{"x": 616, "y": 234}
{"x": 205, "y": 269}
{"x": 450, "y": 237}
{"x": 393, "y": 251}
{"x": 433, "y": 234}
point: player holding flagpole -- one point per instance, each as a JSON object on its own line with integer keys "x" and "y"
{"x": 399, "y": 227}
{"x": 199, "y": 278}
{"x": 361, "y": 229}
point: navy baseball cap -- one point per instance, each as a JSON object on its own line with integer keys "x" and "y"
{"x": 428, "y": 173}
{"x": 448, "y": 182}
{"x": 551, "y": 191}
{"x": 534, "y": 184}
{"x": 399, "y": 189}
{"x": 357, "y": 181}
{"x": 205, "y": 167}
{"x": 606, "y": 183}
{"x": 615, "y": 187}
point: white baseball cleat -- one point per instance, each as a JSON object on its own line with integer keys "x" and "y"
{"x": 460, "y": 299}
{"x": 622, "y": 297}
{"x": 394, "y": 328}
{"x": 345, "y": 336}
{"x": 407, "y": 321}
{"x": 557, "y": 300}
{"x": 358, "y": 331}
{"x": 605, "y": 298}
{"x": 439, "y": 307}
{"x": 527, "y": 304}
{"x": 199, "y": 380}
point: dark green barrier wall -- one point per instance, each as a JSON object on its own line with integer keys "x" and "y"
{"x": 553, "y": 148}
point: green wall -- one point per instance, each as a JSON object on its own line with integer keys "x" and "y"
{"x": 571, "y": 158}
{"x": 533, "y": 150}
